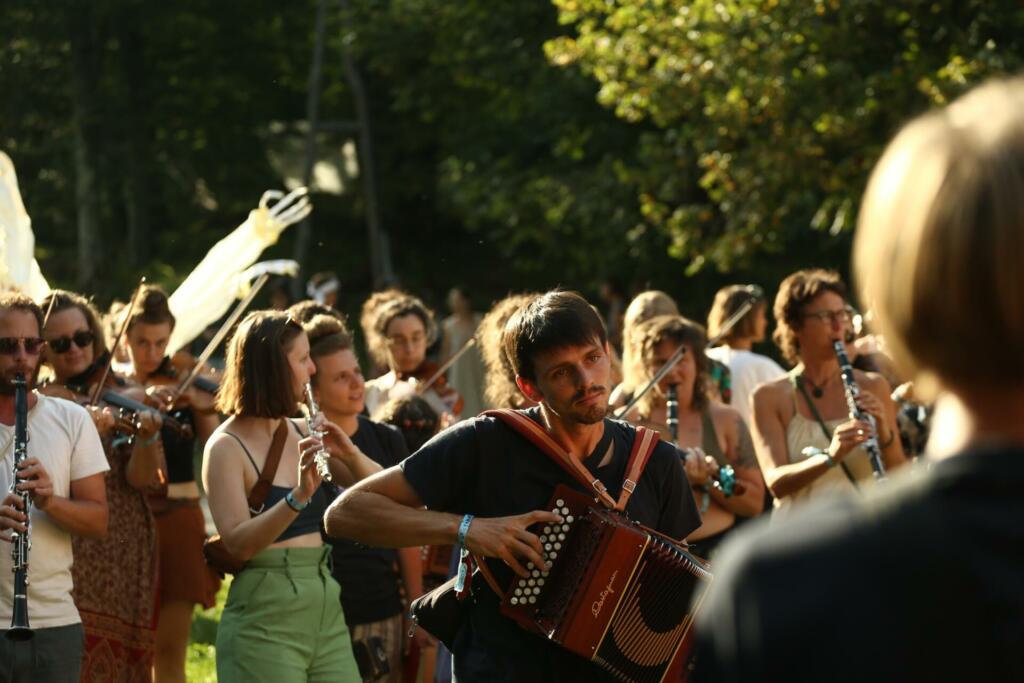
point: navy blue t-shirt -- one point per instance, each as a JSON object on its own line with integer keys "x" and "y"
{"x": 369, "y": 577}
{"x": 482, "y": 467}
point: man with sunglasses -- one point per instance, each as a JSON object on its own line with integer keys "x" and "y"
{"x": 65, "y": 481}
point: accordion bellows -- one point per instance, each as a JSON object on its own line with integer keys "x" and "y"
{"x": 617, "y": 593}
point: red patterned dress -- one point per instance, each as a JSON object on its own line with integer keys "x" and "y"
{"x": 115, "y": 581}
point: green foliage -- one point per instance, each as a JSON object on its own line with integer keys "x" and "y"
{"x": 519, "y": 145}
{"x": 201, "y": 658}
{"x": 514, "y": 158}
{"x": 770, "y": 115}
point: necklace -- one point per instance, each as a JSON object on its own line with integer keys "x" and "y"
{"x": 817, "y": 391}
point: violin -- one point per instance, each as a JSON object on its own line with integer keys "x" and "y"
{"x": 429, "y": 371}
{"x": 80, "y": 388}
{"x": 171, "y": 373}
{"x": 176, "y": 368}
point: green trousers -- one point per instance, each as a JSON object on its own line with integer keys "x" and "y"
{"x": 283, "y": 622}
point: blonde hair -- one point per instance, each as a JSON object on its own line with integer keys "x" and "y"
{"x": 940, "y": 240}
{"x": 643, "y": 307}
{"x": 728, "y": 301}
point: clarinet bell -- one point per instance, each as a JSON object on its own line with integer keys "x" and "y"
{"x": 19, "y": 630}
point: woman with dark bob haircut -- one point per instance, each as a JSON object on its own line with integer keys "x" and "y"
{"x": 283, "y": 619}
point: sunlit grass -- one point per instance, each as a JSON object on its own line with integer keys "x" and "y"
{"x": 200, "y": 663}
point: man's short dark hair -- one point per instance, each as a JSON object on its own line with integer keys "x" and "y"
{"x": 555, "y": 320}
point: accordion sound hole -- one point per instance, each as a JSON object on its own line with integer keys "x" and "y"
{"x": 651, "y": 618}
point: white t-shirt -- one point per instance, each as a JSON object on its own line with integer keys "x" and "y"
{"x": 64, "y": 439}
{"x": 382, "y": 389}
{"x": 748, "y": 370}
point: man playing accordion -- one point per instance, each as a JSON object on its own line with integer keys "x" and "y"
{"x": 486, "y": 484}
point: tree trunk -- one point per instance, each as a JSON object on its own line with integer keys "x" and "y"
{"x": 135, "y": 186}
{"x": 84, "y": 99}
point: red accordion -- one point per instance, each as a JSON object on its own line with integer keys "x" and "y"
{"x": 617, "y": 593}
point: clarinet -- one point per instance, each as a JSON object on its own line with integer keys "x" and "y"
{"x": 21, "y": 543}
{"x": 312, "y": 410}
{"x": 852, "y": 392}
{"x": 672, "y": 406}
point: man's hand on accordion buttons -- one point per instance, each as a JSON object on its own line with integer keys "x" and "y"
{"x": 507, "y": 539}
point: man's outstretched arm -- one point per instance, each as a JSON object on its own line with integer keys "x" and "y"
{"x": 385, "y": 511}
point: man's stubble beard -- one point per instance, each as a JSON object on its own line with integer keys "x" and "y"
{"x": 7, "y": 380}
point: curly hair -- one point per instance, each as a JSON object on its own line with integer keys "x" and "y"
{"x": 500, "y": 390}
{"x": 413, "y": 417}
{"x": 680, "y": 331}
{"x": 794, "y": 293}
{"x": 383, "y": 307}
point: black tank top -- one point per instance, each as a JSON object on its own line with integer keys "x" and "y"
{"x": 311, "y": 517}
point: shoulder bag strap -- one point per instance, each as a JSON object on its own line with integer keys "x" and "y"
{"x": 261, "y": 490}
{"x": 821, "y": 423}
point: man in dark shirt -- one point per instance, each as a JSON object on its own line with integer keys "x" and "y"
{"x": 558, "y": 348}
{"x": 369, "y": 576}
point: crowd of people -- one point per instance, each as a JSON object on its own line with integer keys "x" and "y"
{"x": 338, "y": 500}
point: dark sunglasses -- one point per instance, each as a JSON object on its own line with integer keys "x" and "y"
{"x": 9, "y": 345}
{"x": 82, "y": 339}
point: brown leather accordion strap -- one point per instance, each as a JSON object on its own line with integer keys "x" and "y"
{"x": 258, "y": 494}
{"x": 536, "y": 435}
{"x": 643, "y": 446}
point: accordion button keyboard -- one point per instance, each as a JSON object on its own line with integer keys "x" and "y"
{"x": 569, "y": 519}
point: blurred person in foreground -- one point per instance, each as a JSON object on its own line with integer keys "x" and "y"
{"x": 876, "y": 589}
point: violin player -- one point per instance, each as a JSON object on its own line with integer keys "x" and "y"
{"x": 185, "y": 579}
{"x": 114, "y": 577}
{"x": 399, "y": 331}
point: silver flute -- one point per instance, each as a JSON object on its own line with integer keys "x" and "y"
{"x": 852, "y": 394}
{"x": 21, "y": 543}
{"x": 312, "y": 410}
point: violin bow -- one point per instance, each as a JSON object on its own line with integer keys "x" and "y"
{"x": 422, "y": 388}
{"x": 678, "y": 356}
{"x": 117, "y": 342}
{"x": 221, "y": 333}
{"x": 49, "y": 310}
